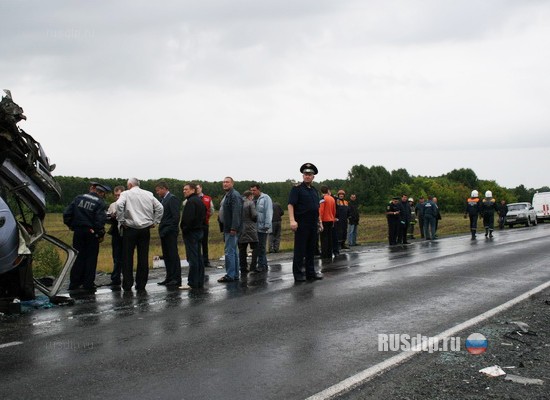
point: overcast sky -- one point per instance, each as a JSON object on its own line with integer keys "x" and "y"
{"x": 253, "y": 89}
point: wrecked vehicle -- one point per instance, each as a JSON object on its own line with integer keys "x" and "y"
{"x": 25, "y": 180}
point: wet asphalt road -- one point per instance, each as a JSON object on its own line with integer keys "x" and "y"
{"x": 265, "y": 337}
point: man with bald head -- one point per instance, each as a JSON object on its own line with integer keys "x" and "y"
{"x": 137, "y": 211}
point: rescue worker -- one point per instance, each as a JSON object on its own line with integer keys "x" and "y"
{"x": 488, "y": 208}
{"x": 342, "y": 215}
{"x": 472, "y": 210}
{"x": 394, "y": 220}
{"x": 303, "y": 213}
{"x": 86, "y": 217}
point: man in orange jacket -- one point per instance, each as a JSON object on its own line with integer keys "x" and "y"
{"x": 327, "y": 216}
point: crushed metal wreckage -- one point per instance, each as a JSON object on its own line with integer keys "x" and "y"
{"x": 25, "y": 180}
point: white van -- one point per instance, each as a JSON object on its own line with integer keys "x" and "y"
{"x": 541, "y": 204}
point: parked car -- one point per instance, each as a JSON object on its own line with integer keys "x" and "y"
{"x": 541, "y": 204}
{"x": 521, "y": 213}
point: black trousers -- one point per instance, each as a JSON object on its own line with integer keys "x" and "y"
{"x": 118, "y": 258}
{"x": 275, "y": 236}
{"x": 204, "y": 242}
{"x": 193, "y": 244}
{"x": 473, "y": 222}
{"x": 489, "y": 221}
{"x": 169, "y": 245}
{"x": 393, "y": 230}
{"x": 326, "y": 239}
{"x": 84, "y": 268}
{"x": 243, "y": 254}
{"x": 402, "y": 232}
{"x": 304, "y": 249}
{"x": 135, "y": 239}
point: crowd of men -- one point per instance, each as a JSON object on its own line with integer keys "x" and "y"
{"x": 251, "y": 219}
{"x": 402, "y": 214}
{"x": 248, "y": 222}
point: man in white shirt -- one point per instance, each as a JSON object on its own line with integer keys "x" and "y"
{"x": 137, "y": 211}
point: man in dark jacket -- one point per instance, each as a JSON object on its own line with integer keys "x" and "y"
{"x": 419, "y": 209}
{"x": 502, "y": 211}
{"x": 392, "y": 215}
{"x": 230, "y": 219}
{"x": 353, "y": 220}
{"x": 192, "y": 221}
{"x": 404, "y": 219}
{"x": 276, "y": 224}
{"x": 168, "y": 232}
{"x": 430, "y": 214}
{"x": 86, "y": 217}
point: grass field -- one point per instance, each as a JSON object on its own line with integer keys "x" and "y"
{"x": 372, "y": 229}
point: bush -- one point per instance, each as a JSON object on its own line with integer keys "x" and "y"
{"x": 46, "y": 261}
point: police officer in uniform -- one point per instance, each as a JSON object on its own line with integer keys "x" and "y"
{"x": 303, "y": 212}
{"x": 86, "y": 217}
{"x": 393, "y": 211}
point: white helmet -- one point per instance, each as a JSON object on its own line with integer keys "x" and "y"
{"x": 411, "y": 199}
{"x": 475, "y": 193}
{"x": 488, "y": 193}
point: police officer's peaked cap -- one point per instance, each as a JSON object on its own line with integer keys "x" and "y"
{"x": 396, "y": 198}
{"x": 99, "y": 186}
{"x": 309, "y": 168}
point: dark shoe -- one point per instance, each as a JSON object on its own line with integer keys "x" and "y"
{"x": 406, "y": 243}
{"x": 259, "y": 270}
{"x": 316, "y": 277}
{"x": 344, "y": 246}
{"x": 225, "y": 279}
{"x": 299, "y": 278}
{"x": 127, "y": 289}
{"x": 173, "y": 283}
{"x": 162, "y": 283}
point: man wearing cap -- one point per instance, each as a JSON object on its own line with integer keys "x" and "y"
{"x": 86, "y": 217}
{"x": 405, "y": 219}
{"x": 392, "y": 215}
{"x": 303, "y": 213}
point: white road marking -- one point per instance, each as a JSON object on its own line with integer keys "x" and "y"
{"x": 353, "y": 381}
{"x": 10, "y": 344}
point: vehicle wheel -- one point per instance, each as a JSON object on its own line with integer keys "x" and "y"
{"x": 510, "y": 226}
{"x": 528, "y": 223}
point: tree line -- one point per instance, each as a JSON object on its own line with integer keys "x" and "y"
{"x": 374, "y": 187}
